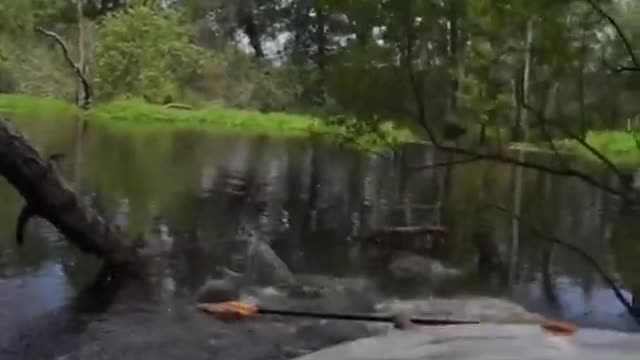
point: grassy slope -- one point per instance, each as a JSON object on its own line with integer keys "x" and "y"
{"x": 135, "y": 114}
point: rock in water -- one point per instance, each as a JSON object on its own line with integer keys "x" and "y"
{"x": 265, "y": 268}
{"x": 402, "y": 321}
{"x": 158, "y": 241}
{"x": 418, "y": 268}
{"x": 218, "y": 290}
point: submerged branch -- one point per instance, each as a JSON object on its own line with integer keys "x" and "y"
{"x": 504, "y": 159}
{"x": 87, "y": 90}
{"x": 580, "y": 252}
{"x": 446, "y": 163}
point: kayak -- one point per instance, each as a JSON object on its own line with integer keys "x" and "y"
{"x": 486, "y": 341}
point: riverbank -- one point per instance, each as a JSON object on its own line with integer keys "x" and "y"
{"x": 139, "y": 115}
{"x": 619, "y": 146}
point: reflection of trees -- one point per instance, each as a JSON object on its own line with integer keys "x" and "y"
{"x": 548, "y": 286}
{"x": 207, "y": 188}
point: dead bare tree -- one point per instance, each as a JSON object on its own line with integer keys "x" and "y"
{"x": 86, "y": 86}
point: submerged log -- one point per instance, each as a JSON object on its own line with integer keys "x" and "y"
{"x": 47, "y": 195}
{"x": 426, "y": 240}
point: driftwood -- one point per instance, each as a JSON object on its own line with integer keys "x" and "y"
{"x": 47, "y": 196}
{"x": 86, "y": 87}
{"x": 178, "y": 106}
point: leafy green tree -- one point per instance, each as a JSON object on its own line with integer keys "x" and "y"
{"x": 144, "y": 52}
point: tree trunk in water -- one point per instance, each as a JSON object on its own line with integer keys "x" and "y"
{"x": 552, "y": 101}
{"x": 515, "y": 224}
{"x": 491, "y": 262}
{"x": 46, "y": 193}
{"x": 518, "y": 170}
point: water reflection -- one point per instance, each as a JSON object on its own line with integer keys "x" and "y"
{"x": 199, "y": 194}
{"x": 594, "y": 307}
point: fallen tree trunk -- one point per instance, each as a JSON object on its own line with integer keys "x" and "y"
{"x": 47, "y": 196}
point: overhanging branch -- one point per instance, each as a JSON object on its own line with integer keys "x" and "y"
{"x": 87, "y": 90}
{"x": 543, "y": 120}
{"x": 495, "y": 157}
{"x": 623, "y": 37}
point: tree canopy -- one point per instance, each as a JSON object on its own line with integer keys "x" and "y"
{"x": 477, "y": 63}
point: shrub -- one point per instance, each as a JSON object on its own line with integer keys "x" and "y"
{"x": 143, "y": 52}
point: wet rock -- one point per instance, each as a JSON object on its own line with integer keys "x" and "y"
{"x": 402, "y": 321}
{"x": 412, "y": 267}
{"x": 264, "y": 266}
{"x": 218, "y": 290}
{"x": 158, "y": 241}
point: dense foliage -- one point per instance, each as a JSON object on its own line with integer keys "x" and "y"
{"x": 473, "y": 62}
{"x": 144, "y": 53}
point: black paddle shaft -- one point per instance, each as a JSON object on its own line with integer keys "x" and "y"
{"x": 358, "y": 317}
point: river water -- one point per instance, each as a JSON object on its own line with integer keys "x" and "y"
{"x": 311, "y": 200}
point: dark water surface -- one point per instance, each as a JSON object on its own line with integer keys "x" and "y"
{"x": 310, "y": 201}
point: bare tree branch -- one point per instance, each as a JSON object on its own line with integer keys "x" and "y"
{"x": 504, "y": 159}
{"x": 623, "y": 37}
{"x": 87, "y": 90}
{"x": 626, "y": 68}
{"x": 583, "y": 254}
{"x": 544, "y": 121}
{"x": 495, "y": 157}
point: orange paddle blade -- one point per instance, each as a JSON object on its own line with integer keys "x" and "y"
{"x": 232, "y": 310}
{"x": 559, "y": 327}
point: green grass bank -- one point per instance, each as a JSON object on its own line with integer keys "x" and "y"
{"x": 139, "y": 115}
{"x": 619, "y": 146}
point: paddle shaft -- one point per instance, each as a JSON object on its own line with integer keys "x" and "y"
{"x": 357, "y": 317}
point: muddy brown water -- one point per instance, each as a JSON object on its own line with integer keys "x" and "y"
{"x": 310, "y": 200}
